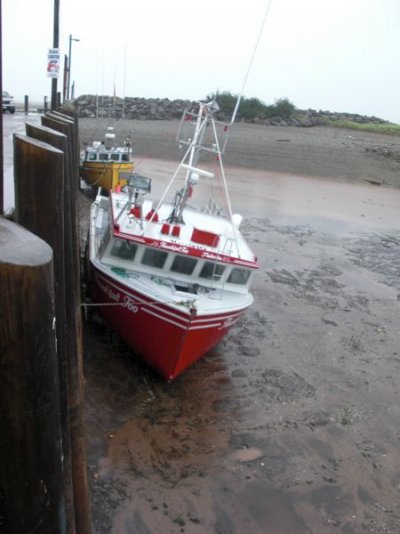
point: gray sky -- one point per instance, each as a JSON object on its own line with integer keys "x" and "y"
{"x": 336, "y": 55}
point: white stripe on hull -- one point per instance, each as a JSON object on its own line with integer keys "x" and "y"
{"x": 181, "y": 321}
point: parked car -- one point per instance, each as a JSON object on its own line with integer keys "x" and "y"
{"x": 8, "y": 102}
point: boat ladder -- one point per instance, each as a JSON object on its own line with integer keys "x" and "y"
{"x": 217, "y": 290}
{"x": 226, "y": 250}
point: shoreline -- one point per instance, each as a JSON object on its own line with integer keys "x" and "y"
{"x": 336, "y": 153}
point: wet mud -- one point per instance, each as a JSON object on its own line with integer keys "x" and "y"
{"x": 291, "y": 424}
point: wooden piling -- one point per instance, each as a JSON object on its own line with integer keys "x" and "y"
{"x": 67, "y": 124}
{"x": 59, "y": 141}
{"x": 38, "y": 175}
{"x": 1, "y": 123}
{"x": 31, "y": 480}
{"x": 68, "y": 127}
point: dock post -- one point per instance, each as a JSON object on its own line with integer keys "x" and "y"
{"x": 31, "y": 478}
{"x": 58, "y": 140}
{"x": 68, "y": 126}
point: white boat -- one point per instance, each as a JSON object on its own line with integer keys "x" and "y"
{"x": 171, "y": 278}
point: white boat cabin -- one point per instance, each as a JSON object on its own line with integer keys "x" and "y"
{"x": 184, "y": 255}
{"x": 100, "y": 154}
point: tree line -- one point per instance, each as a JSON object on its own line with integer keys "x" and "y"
{"x": 253, "y": 107}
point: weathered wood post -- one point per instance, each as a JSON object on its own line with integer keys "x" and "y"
{"x": 31, "y": 479}
{"x": 26, "y": 104}
{"x": 58, "y": 140}
{"x": 68, "y": 127}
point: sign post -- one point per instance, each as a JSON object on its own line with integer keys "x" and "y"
{"x": 56, "y": 44}
{"x": 53, "y": 63}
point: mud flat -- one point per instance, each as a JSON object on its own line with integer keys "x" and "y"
{"x": 333, "y": 153}
{"x": 291, "y": 425}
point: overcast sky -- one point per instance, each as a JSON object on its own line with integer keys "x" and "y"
{"x": 337, "y": 55}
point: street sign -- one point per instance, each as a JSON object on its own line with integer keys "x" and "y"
{"x": 53, "y": 63}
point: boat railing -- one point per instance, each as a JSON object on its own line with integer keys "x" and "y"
{"x": 212, "y": 208}
{"x": 188, "y": 124}
{"x": 228, "y": 247}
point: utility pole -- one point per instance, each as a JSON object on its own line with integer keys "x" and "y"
{"x": 65, "y": 77}
{"x": 56, "y": 42}
{"x": 1, "y": 124}
{"x": 69, "y": 65}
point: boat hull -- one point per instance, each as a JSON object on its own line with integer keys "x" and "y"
{"x": 105, "y": 175}
{"x": 169, "y": 340}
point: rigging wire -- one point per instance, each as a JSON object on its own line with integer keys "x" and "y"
{"x": 248, "y": 69}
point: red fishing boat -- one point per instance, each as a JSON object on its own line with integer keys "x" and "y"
{"x": 171, "y": 278}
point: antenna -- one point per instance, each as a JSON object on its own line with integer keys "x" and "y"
{"x": 248, "y": 70}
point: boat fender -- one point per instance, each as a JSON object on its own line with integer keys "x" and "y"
{"x": 236, "y": 220}
{"x": 120, "y": 271}
{"x": 136, "y": 212}
{"x": 176, "y": 231}
{"x": 153, "y": 215}
{"x": 165, "y": 228}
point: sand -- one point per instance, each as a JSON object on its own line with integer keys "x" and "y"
{"x": 291, "y": 424}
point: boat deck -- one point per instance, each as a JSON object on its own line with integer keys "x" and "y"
{"x": 163, "y": 290}
{"x": 225, "y": 239}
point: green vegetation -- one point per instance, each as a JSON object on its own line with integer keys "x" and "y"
{"x": 386, "y": 128}
{"x": 253, "y": 107}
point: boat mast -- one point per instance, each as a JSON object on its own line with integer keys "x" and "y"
{"x": 193, "y": 154}
{"x": 239, "y": 98}
{"x": 192, "y": 177}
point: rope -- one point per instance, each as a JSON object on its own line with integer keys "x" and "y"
{"x": 85, "y": 305}
{"x": 136, "y": 303}
{"x": 92, "y": 304}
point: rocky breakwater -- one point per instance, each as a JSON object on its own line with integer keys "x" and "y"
{"x": 92, "y": 106}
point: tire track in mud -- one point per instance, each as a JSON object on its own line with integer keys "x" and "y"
{"x": 378, "y": 253}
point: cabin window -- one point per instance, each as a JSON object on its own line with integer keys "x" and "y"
{"x": 183, "y": 265}
{"x": 123, "y": 249}
{"x": 211, "y": 270}
{"x": 115, "y": 157}
{"x": 103, "y": 157}
{"x": 125, "y": 157}
{"x": 154, "y": 258}
{"x": 239, "y": 276}
{"x": 92, "y": 157}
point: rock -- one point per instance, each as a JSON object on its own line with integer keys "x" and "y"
{"x": 305, "y": 122}
{"x": 239, "y": 373}
{"x": 137, "y": 108}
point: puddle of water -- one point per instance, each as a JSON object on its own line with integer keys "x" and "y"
{"x": 248, "y": 455}
{"x": 328, "y": 206}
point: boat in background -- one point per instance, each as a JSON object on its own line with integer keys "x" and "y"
{"x": 102, "y": 163}
{"x": 169, "y": 277}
